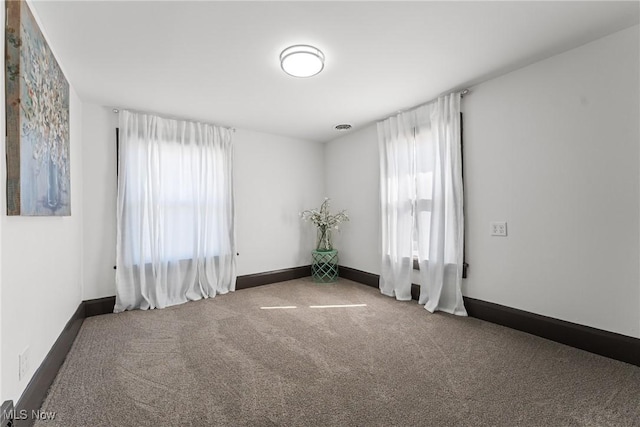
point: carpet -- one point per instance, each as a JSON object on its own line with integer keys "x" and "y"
{"x": 226, "y": 362}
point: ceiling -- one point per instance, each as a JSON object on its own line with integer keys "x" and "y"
{"x": 218, "y": 61}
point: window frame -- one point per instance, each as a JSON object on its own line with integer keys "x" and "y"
{"x": 465, "y": 264}
{"x": 215, "y": 257}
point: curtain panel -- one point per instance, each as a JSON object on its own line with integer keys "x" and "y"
{"x": 422, "y": 204}
{"x": 175, "y": 212}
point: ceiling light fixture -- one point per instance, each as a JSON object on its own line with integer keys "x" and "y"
{"x": 343, "y": 127}
{"x": 302, "y": 60}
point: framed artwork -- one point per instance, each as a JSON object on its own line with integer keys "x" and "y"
{"x": 37, "y": 120}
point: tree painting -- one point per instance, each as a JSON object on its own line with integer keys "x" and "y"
{"x": 37, "y": 92}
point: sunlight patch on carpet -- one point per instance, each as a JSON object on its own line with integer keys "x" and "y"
{"x": 338, "y": 306}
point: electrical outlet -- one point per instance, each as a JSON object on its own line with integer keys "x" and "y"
{"x": 23, "y": 364}
{"x": 499, "y": 228}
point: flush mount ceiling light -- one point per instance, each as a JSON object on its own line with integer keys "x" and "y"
{"x": 302, "y": 60}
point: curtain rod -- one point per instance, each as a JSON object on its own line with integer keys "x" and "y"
{"x": 462, "y": 92}
{"x": 232, "y": 129}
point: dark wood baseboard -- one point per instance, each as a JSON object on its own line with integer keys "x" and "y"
{"x": 36, "y": 390}
{"x": 359, "y": 276}
{"x": 371, "y": 279}
{"x": 258, "y": 279}
{"x": 605, "y": 343}
{"x": 98, "y": 306}
{"x": 598, "y": 341}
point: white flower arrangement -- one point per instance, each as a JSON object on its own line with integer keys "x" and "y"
{"x": 325, "y": 221}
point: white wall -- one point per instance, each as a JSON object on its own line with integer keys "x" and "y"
{"x": 99, "y": 201}
{"x": 41, "y": 272}
{"x": 40, "y": 259}
{"x": 3, "y": 182}
{"x": 553, "y": 149}
{"x": 274, "y": 178}
{"x": 352, "y": 176}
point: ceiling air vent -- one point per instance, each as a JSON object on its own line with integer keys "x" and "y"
{"x": 343, "y": 127}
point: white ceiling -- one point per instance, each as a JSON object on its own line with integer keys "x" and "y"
{"x": 218, "y": 61}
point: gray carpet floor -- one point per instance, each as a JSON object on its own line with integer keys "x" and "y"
{"x": 227, "y": 362}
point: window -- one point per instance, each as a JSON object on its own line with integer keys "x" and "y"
{"x": 175, "y": 239}
{"x": 179, "y": 202}
{"x": 421, "y": 199}
{"x": 423, "y": 204}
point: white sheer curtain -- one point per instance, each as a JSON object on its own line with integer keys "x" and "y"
{"x": 421, "y": 202}
{"x": 175, "y": 212}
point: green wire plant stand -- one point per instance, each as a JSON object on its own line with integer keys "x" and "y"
{"x": 324, "y": 268}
